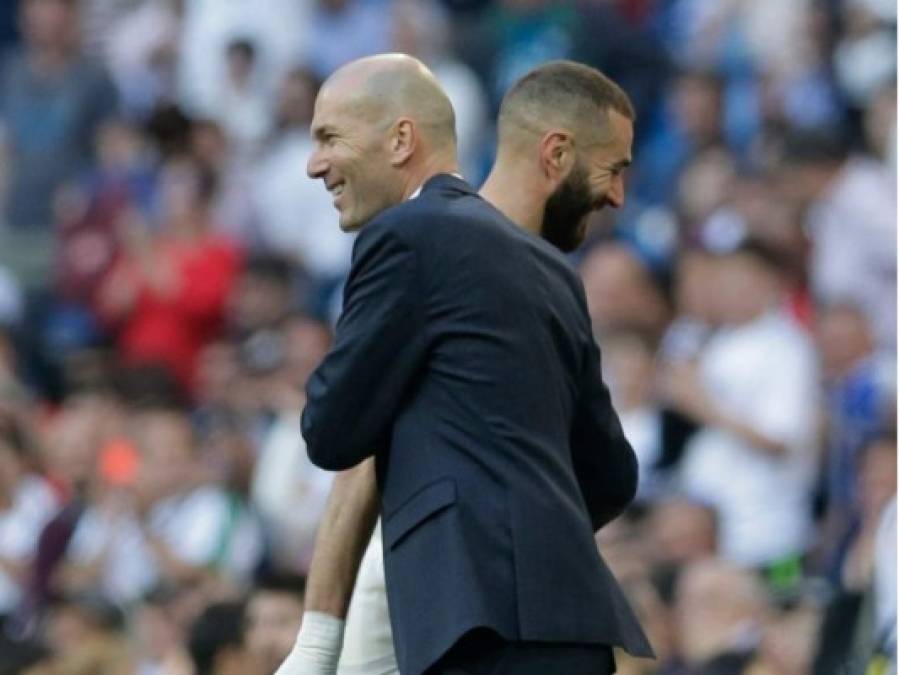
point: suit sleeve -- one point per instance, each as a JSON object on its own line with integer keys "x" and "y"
{"x": 379, "y": 346}
{"x": 604, "y": 462}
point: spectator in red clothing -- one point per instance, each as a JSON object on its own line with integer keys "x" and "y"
{"x": 167, "y": 294}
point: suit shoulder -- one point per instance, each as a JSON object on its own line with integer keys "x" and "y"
{"x": 420, "y": 221}
{"x": 561, "y": 263}
{"x": 390, "y": 225}
{"x": 395, "y": 221}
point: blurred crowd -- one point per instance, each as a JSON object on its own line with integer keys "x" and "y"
{"x": 169, "y": 277}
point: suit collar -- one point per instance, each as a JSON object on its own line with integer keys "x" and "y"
{"x": 447, "y": 181}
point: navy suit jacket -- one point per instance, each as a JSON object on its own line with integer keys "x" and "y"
{"x": 465, "y": 362}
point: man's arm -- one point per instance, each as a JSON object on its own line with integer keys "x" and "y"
{"x": 684, "y": 389}
{"x": 380, "y": 342}
{"x": 346, "y": 528}
{"x": 604, "y": 462}
{"x": 343, "y": 536}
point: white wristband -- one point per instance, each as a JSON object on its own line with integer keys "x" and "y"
{"x": 318, "y": 645}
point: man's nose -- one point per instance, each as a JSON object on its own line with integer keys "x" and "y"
{"x": 616, "y": 193}
{"x": 317, "y": 165}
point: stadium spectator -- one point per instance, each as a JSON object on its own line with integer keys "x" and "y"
{"x": 157, "y": 525}
{"x": 753, "y": 392}
{"x": 231, "y": 209}
{"x": 97, "y": 208}
{"x": 876, "y": 488}
{"x": 621, "y": 291}
{"x": 281, "y": 32}
{"x": 273, "y": 614}
{"x": 52, "y": 101}
{"x": 849, "y": 204}
{"x": 242, "y": 105}
{"x": 720, "y": 610}
{"x": 691, "y": 122}
{"x": 682, "y": 531}
{"x": 696, "y": 305}
{"x": 139, "y": 44}
{"x": 859, "y": 400}
{"x": 858, "y": 631}
{"x": 84, "y": 635}
{"x": 167, "y": 293}
{"x": 26, "y": 505}
{"x": 789, "y": 640}
{"x": 158, "y": 638}
{"x": 216, "y": 641}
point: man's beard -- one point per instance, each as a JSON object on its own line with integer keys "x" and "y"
{"x": 565, "y": 214}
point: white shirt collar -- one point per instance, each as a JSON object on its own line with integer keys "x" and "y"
{"x": 418, "y": 191}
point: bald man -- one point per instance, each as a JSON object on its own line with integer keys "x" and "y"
{"x": 502, "y": 451}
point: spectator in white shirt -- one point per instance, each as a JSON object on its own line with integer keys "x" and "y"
{"x": 850, "y": 215}
{"x": 280, "y": 31}
{"x": 243, "y": 101}
{"x": 753, "y": 390}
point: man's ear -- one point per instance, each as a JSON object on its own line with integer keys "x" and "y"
{"x": 556, "y": 155}
{"x": 403, "y": 140}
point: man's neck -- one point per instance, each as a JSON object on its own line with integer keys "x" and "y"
{"x": 421, "y": 175}
{"x": 509, "y": 192}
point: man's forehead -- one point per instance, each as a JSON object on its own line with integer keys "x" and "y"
{"x": 328, "y": 113}
{"x": 621, "y": 138}
{"x": 622, "y": 128}
{"x": 336, "y": 106}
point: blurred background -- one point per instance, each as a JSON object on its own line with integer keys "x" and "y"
{"x": 169, "y": 277}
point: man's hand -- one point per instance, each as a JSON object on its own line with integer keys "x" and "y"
{"x": 317, "y": 649}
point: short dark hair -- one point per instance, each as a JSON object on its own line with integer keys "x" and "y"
{"x": 563, "y": 90}
{"x": 243, "y": 47}
{"x": 761, "y": 252}
{"x": 151, "y": 386}
{"x": 285, "y": 583}
{"x": 219, "y": 627}
{"x": 272, "y": 268}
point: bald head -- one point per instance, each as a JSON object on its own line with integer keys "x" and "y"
{"x": 387, "y": 87}
{"x": 382, "y": 126}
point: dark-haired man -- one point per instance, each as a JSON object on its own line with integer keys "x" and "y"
{"x": 465, "y": 361}
{"x": 271, "y": 619}
{"x": 215, "y": 643}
